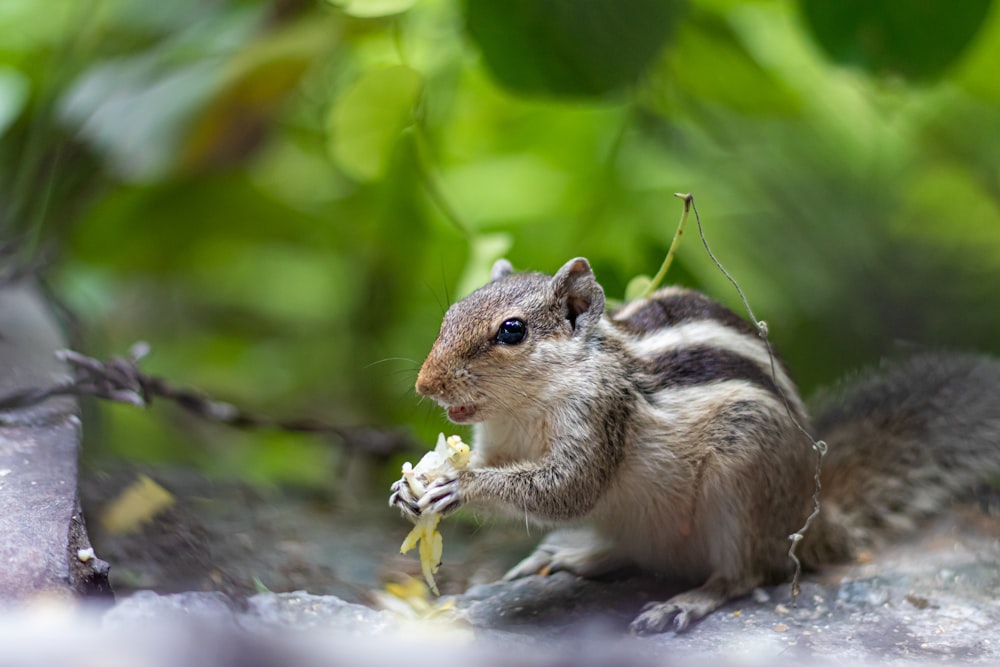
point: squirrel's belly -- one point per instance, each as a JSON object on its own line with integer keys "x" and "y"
{"x": 659, "y": 540}
{"x": 667, "y": 532}
{"x": 663, "y": 551}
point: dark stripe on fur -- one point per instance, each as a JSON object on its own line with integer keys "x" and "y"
{"x": 667, "y": 311}
{"x": 739, "y": 421}
{"x": 689, "y": 366}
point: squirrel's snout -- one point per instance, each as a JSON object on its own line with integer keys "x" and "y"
{"x": 428, "y": 384}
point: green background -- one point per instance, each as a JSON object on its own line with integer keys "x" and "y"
{"x": 282, "y": 198}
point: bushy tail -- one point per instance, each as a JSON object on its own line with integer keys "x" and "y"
{"x": 904, "y": 440}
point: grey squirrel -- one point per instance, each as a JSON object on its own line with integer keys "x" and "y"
{"x": 662, "y": 427}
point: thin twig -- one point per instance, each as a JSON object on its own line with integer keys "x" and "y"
{"x": 654, "y": 284}
{"x": 818, "y": 446}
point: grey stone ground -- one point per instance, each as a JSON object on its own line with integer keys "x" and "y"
{"x": 934, "y": 597}
{"x": 935, "y": 600}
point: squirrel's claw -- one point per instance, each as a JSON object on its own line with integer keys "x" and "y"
{"x": 656, "y": 617}
{"x": 680, "y": 611}
{"x": 402, "y": 497}
{"x": 441, "y": 497}
{"x": 539, "y": 561}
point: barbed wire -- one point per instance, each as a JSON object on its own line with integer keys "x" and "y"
{"x": 120, "y": 380}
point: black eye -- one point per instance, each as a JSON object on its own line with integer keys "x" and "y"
{"x": 511, "y": 332}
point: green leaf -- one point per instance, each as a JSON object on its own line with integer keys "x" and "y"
{"x": 917, "y": 40}
{"x": 257, "y": 83}
{"x": 637, "y": 287}
{"x": 570, "y": 47}
{"x": 367, "y": 9}
{"x": 709, "y": 62}
{"x": 367, "y": 119}
{"x": 978, "y": 71}
{"x": 145, "y": 101}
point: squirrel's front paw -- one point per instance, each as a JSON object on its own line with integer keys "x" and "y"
{"x": 441, "y": 497}
{"x": 403, "y": 498}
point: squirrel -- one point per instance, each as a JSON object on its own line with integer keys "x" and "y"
{"x": 669, "y": 429}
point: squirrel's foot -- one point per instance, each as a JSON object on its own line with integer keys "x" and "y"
{"x": 680, "y": 611}
{"x": 580, "y": 552}
{"x": 403, "y": 498}
{"x": 441, "y": 497}
{"x": 539, "y": 562}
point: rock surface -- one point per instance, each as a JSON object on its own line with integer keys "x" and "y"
{"x": 43, "y": 535}
{"x": 935, "y": 600}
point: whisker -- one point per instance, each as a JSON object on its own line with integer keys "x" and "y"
{"x": 404, "y": 394}
{"x": 444, "y": 281}
{"x": 387, "y": 359}
{"x": 412, "y": 372}
{"x": 443, "y": 307}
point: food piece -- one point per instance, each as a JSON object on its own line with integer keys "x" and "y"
{"x": 431, "y": 546}
{"x": 449, "y": 456}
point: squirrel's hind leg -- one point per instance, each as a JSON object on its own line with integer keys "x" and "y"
{"x": 577, "y": 550}
{"x": 684, "y": 608}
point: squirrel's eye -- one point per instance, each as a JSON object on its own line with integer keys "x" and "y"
{"x": 511, "y": 332}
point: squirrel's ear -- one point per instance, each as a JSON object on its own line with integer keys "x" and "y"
{"x": 501, "y": 268}
{"x": 583, "y": 299}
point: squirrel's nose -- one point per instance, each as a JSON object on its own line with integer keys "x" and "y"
{"x": 428, "y": 384}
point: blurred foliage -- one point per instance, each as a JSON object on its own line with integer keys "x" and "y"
{"x": 283, "y": 197}
{"x": 921, "y": 42}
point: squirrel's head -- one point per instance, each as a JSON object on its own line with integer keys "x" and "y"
{"x": 509, "y": 344}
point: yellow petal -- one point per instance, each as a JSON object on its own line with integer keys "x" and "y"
{"x": 427, "y": 564}
{"x": 136, "y": 505}
{"x": 429, "y": 577}
{"x": 428, "y": 540}
{"x": 410, "y": 475}
{"x": 407, "y": 588}
{"x": 458, "y": 452}
{"x": 412, "y": 538}
{"x": 437, "y": 549}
